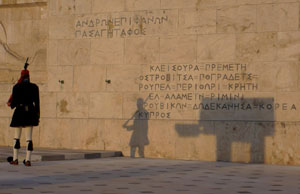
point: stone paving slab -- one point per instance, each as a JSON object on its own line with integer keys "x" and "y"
{"x": 42, "y": 154}
{"x": 121, "y": 175}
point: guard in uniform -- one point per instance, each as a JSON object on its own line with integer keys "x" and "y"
{"x": 25, "y": 100}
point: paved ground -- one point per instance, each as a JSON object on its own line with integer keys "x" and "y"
{"x": 126, "y": 175}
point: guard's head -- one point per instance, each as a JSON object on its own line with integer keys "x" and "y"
{"x": 24, "y": 75}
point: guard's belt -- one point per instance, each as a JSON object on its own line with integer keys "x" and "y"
{"x": 24, "y": 106}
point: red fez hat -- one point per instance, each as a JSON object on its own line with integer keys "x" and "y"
{"x": 24, "y": 73}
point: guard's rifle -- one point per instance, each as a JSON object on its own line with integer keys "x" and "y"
{"x": 26, "y": 64}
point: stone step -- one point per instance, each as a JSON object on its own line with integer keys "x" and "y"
{"x": 43, "y": 154}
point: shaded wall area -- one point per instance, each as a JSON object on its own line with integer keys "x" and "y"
{"x": 240, "y": 137}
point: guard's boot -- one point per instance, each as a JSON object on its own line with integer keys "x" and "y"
{"x": 27, "y": 163}
{"x": 12, "y": 161}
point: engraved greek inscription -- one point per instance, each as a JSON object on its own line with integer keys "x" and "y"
{"x": 204, "y": 87}
{"x": 124, "y": 26}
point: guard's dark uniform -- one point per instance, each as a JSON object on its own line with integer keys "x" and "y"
{"x": 25, "y": 98}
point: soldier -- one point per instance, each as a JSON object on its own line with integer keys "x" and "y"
{"x": 25, "y": 98}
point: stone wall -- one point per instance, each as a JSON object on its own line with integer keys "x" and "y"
{"x": 198, "y": 79}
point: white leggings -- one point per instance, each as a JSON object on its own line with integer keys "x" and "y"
{"x": 18, "y": 132}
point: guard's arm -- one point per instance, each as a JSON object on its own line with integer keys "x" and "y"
{"x": 13, "y": 99}
{"x": 37, "y": 101}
